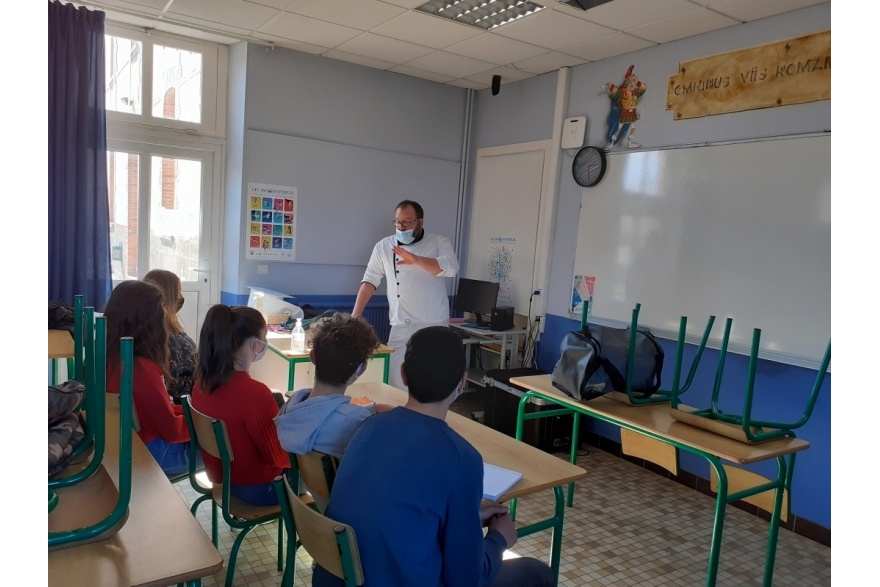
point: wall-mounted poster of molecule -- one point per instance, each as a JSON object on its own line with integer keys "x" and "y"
{"x": 271, "y": 220}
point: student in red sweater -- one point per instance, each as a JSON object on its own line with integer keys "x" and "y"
{"x": 136, "y": 309}
{"x": 231, "y": 339}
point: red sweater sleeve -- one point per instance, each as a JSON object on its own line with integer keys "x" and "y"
{"x": 157, "y": 415}
{"x": 262, "y": 429}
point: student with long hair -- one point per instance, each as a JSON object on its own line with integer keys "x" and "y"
{"x": 182, "y": 349}
{"x": 232, "y": 338}
{"x": 136, "y": 309}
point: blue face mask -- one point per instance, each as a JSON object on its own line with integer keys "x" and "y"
{"x": 405, "y": 237}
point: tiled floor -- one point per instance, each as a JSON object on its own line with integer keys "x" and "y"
{"x": 628, "y": 527}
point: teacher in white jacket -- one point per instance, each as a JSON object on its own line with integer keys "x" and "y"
{"x": 415, "y": 263}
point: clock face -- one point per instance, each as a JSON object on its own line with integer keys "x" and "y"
{"x": 588, "y": 166}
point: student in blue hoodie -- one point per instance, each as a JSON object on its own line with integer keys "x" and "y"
{"x": 323, "y": 418}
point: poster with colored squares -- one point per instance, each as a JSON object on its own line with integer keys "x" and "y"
{"x": 271, "y": 220}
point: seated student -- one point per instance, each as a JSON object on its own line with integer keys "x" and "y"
{"x": 182, "y": 349}
{"x": 135, "y": 309}
{"x": 411, "y": 488}
{"x": 322, "y": 418}
{"x": 230, "y": 341}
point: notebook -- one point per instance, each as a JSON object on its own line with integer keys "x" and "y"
{"x": 497, "y": 480}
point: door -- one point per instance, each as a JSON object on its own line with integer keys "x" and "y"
{"x": 506, "y": 215}
{"x": 161, "y": 217}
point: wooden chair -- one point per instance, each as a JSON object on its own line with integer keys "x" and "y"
{"x": 331, "y": 544}
{"x": 213, "y": 439}
{"x": 317, "y": 471}
{"x": 743, "y": 427}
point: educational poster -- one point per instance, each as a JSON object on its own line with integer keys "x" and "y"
{"x": 582, "y": 292}
{"x": 271, "y": 213}
{"x": 502, "y": 253}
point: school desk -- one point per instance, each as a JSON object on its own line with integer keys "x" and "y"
{"x": 654, "y": 422}
{"x": 541, "y": 471}
{"x": 285, "y": 370}
{"x": 161, "y": 542}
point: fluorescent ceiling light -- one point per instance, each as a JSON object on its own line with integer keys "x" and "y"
{"x": 485, "y": 14}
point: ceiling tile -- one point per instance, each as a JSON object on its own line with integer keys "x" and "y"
{"x": 681, "y": 26}
{"x": 383, "y": 48}
{"x": 550, "y": 61}
{"x": 359, "y": 14}
{"x": 450, "y": 64}
{"x": 552, "y": 30}
{"x": 508, "y": 74}
{"x": 749, "y": 10}
{"x": 406, "y": 3}
{"x": 621, "y": 15}
{"x": 287, "y": 43}
{"x": 196, "y": 23}
{"x": 359, "y": 59}
{"x": 308, "y": 30}
{"x": 153, "y": 7}
{"x": 278, "y": 4}
{"x": 421, "y": 73}
{"x": 426, "y": 29}
{"x": 616, "y": 44}
{"x": 232, "y": 13}
{"x": 495, "y": 49}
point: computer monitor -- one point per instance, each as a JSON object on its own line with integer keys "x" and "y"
{"x": 477, "y": 297}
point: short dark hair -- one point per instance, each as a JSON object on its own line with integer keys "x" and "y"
{"x": 414, "y": 205}
{"x": 434, "y": 363}
{"x": 341, "y": 343}
{"x": 224, "y": 331}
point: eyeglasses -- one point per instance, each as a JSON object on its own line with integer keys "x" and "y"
{"x": 404, "y": 224}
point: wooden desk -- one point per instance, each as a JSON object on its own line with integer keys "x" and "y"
{"x": 286, "y": 370}
{"x": 161, "y": 542}
{"x": 655, "y": 422}
{"x": 541, "y": 471}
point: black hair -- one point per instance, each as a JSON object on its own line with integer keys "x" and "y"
{"x": 340, "y": 345}
{"x": 414, "y": 205}
{"x": 434, "y": 363}
{"x": 224, "y": 331}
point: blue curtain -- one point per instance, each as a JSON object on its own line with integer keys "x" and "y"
{"x": 79, "y": 222}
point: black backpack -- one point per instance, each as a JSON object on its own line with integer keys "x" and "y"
{"x": 593, "y": 361}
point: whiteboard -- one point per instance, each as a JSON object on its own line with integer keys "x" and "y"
{"x": 346, "y": 194}
{"x": 738, "y": 230}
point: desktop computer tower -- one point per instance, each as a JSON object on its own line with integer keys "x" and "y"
{"x": 552, "y": 434}
{"x": 502, "y": 318}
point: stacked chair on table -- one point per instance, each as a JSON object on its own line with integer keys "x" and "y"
{"x": 85, "y": 503}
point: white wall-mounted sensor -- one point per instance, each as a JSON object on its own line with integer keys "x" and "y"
{"x": 573, "y": 131}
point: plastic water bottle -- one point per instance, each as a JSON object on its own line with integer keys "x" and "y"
{"x": 298, "y": 337}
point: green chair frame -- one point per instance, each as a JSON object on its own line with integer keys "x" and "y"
{"x": 316, "y": 532}
{"x": 90, "y": 350}
{"x": 119, "y": 513}
{"x": 755, "y": 431}
{"x": 213, "y": 438}
{"x": 661, "y": 395}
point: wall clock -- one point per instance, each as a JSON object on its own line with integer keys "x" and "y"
{"x": 589, "y": 166}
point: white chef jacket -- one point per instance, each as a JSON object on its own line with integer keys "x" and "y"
{"x": 414, "y": 295}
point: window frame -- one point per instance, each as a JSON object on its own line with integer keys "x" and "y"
{"x": 213, "y": 77}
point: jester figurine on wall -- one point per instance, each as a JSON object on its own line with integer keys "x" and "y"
{"x": 623, "y": 116}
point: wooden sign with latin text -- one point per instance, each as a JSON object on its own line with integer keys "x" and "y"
{"x": 795, "y": 71}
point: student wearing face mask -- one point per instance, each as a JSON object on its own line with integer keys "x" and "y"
{"x": 416, "y": 265}
{"x": 181, "y": 348}
{"x": 232, "y": 338}
{"x": 323, "y": 418}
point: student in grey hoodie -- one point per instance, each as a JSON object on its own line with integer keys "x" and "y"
{"x": 322, "y": 418}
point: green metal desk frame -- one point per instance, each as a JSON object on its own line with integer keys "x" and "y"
{"x": 782, "y": 483}
{"x": 384, "y": 356}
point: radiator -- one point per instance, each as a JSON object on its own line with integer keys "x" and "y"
{"x": 377, "y": 316}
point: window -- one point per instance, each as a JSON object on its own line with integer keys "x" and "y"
{"x": 160, "y": 80}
